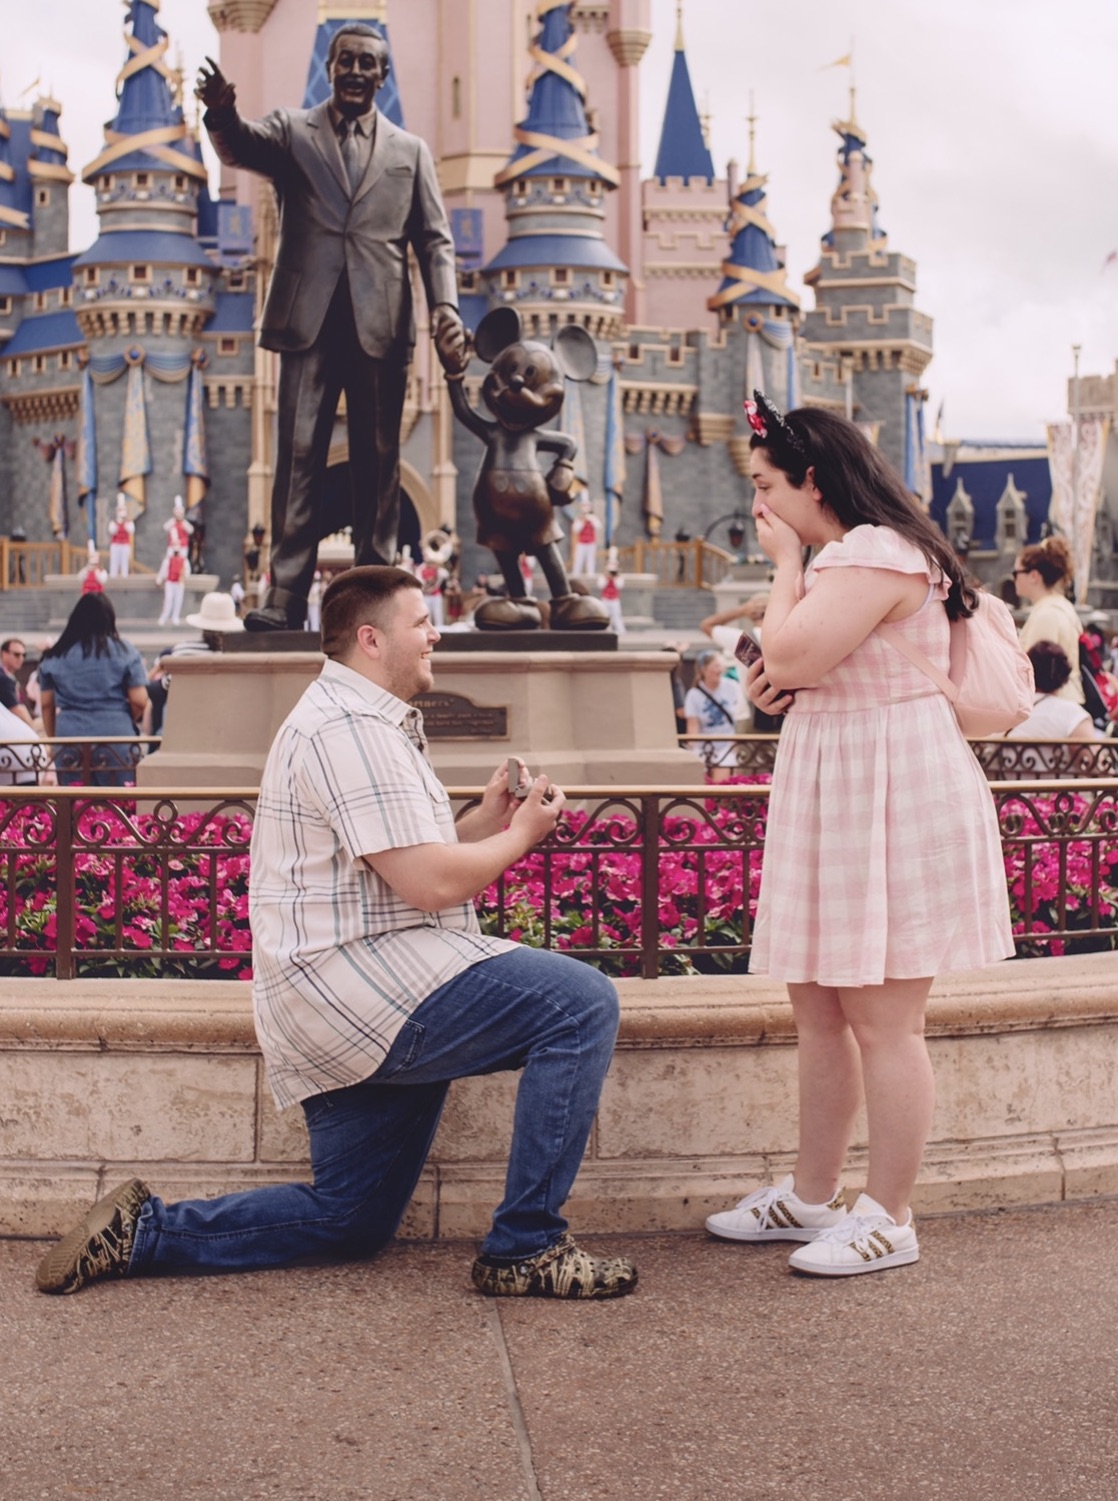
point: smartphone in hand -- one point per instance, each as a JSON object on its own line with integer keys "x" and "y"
{"x": 517, "y": 786}
{"x": 748, "y": 649}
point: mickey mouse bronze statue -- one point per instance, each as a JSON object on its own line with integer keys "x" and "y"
{"x": 514, "y": 501}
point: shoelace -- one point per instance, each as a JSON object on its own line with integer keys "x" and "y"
{"x": 855, "y": 1230}
{"x": 762, "y": 1200}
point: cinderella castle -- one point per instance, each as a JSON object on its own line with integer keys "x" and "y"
{"x": 132, "y": 365}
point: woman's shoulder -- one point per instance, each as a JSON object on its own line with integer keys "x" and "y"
{"x": 869, "y": 546}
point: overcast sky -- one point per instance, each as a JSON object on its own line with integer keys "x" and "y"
{"x": 991, "y": 124}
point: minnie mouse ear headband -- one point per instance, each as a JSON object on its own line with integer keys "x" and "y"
{"x": 768, "y": 422}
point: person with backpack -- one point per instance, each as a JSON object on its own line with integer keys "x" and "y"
{"x": 1042, "y": 574}
{"x": 713, "y": 705}
{"x": 882, "y": 864}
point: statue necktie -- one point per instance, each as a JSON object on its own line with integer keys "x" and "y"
{"x": 350, "y": 155}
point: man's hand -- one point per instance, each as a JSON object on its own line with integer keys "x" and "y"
{"x": 213, "y": 88}
{"x": 452, "y": 342}
{"x": 539, "y": 812}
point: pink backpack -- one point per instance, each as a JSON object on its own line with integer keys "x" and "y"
{"x": 990, "y": 679}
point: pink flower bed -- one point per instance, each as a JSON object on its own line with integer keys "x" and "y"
{"x": 172, "y": 892}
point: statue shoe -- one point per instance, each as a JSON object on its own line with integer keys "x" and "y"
{"x": 270, "y": 618}
{"x": 508, "y": 615}
{"x": 578, "y": 612}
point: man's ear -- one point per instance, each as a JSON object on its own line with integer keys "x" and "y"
{"x": 368, "y": 640}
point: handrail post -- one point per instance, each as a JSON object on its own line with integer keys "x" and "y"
{"x": 650, "y": 885}
{"x": 65, "y": 964}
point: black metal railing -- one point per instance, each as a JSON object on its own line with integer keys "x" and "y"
{"x": 648, "y": 881}
{"x": 110, "y": 761}
{"x": 1002, "y": 760}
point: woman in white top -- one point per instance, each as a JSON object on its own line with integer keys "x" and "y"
{"x": 1053, "y": 717}
{"x": 713, "y": 706}
{"x": 1040, "y": 576}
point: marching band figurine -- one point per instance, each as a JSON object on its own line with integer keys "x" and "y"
{"x": 610, "y": 585}
{"x": 172, "y": 575}
{"x": 314, "y": 602}
{"x": 587, "y": 531}
{"x": 179, "y": 530}
{"x": 121, "y": 533}
{"x": 405, "y": 560}
{"x": 434, "y": 575}
{"x": 93, "y": 576}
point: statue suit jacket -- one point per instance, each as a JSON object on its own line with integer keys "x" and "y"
{"x": 325, "y": 230}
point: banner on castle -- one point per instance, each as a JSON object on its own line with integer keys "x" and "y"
{"x": 59, "y": 501}
{"x": 1073, "y": 512}
{"x": 135, "y": 455}
{"x": 87, "y": 455}
{"x": 613, "y": 478}
{"x": 195, "y": 465}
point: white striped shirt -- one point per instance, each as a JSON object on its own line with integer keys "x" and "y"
{"x": 339, "y": 959}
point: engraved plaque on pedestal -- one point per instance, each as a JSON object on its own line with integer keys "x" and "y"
{"x": 453, "y": 716}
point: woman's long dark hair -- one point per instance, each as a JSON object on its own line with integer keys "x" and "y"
{"x": 92, "y": 626}
{"x": 859, "y": 487}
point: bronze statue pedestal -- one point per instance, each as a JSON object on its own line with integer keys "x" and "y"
{"x": 590, "y": 718}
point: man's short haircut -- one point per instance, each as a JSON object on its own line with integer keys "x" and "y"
{"x": 12, "y": 641}
{"x": 359, "y": 597}
{"x": 353, "y": 28}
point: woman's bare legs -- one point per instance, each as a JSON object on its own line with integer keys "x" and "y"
{"x": 887, "y": 1022}
{"x": 830, "y": 1081}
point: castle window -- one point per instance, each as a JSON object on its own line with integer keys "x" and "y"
{"x": 193, "y": 276}
{"x": 42, "y": 197}
{"x": 558, "y": 184}
{"x": 227, "y": 346}
{"x": 141, "y": 180}
{"x": 140, "y": 273}
{"x": 236, "y": 281}
{"x": 40, "y": 363}
{"x": 40, "y": 302}
{"x": 468, "y": 281}
{"x": 560, "y": 276}
{"x": 13, "y": 367}
{"x": 521, "y": 188}
{"x": 92, "y": 276}
{"x": 510, "y": 279}
{"x": 65, "y": 297}
{"x": 180, "y": 183}
{"x": 607, "y": 279}
{"x": 65, "y": 359}
{"x": 456, "y": 98}
{"x": 5, "y": 305}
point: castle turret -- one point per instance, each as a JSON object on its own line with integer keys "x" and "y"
{"x": 50, "y": 181}
{"x": 146, "y": 288}
{"x": 556, "y": 267}
{"x": 684, "y": 208}
{"x": 864, "y": 315}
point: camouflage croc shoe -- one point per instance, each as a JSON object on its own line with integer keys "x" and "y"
{"x": 564, "y": 1270}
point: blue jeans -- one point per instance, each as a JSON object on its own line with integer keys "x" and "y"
{"x": 552, "y": 1016}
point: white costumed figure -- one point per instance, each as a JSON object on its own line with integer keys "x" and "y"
{"x": 314, "y": 603}
{"x": 179, "y": 530}
{"x": 610, "y": 585}
{"x": 121, "y": 533}
{"x": 433, "y": 575}
{"x": 92, "y": 577}
{"x": 587, "y": 532}
{"x": 173, "y": 573}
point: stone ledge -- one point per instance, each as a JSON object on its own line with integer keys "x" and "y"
{"x": 104, "y": 1078}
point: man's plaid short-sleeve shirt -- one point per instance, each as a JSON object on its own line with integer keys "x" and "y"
{"x": 339, "y": 960}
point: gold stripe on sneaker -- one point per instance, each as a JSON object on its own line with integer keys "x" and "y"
{"x": 781, "y": 1215}
{"x": 877, "y": 1235}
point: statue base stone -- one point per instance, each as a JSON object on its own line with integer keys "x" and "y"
{"x": 589, "y": 718}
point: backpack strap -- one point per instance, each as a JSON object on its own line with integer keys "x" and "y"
{"x": 918, "y": 659}
{"x": 726, "y": 715}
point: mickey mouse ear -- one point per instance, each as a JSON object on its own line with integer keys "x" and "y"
{"x": 496, "y": 331}
{"x": 578, "y": 354}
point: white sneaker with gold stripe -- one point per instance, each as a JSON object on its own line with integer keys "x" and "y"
{"x": 865, "y": 1240}
{"x": 777, "y": 1213}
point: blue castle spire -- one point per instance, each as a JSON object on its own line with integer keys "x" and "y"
{"x": 754, "y": 272}
{"x": 556, "y": 265}
{"x": 149, "y": 132}
{"x": 555, "y": 137}
{"x": 683, "y": 148}
{"x": 13, "y": 210}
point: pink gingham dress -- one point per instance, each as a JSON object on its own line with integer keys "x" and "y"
{"x": 882, "y": 855}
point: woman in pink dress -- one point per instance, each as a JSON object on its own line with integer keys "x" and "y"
{"x": 883, "y": 863}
